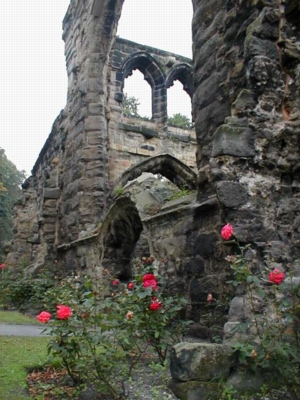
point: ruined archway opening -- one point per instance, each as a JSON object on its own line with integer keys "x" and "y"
{"x": 164, "y": 164}
{"x": 179, "y": 106}
{"x": 137, "y": 100}
{"x": 123, "y": 229}
{"x": 127, "y": 235}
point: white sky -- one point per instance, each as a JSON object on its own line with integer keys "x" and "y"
{"x": 33, "y": 75}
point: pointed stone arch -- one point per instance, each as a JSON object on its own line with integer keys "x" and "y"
{"x": 184, "y": 74}
{"x": 154, "y": 75}
{"x": 164, "y": 164}
{"x": 119, "y": 234}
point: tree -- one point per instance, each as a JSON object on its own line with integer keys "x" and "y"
{"x": 179, "y": 120}
{"x": 10, "y": 192}
{"x": 130, "y": 106}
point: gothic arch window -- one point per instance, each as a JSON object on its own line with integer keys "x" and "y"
{"x": 184, "y": 74}
{"x": 153, "y": 74}
{"x": 136, "y": 87}
{"x": 179, "y": 84}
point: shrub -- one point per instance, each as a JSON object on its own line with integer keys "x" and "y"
{"x": 275, "y": 347}
{"x": 23, "y": 291}
{"x": 102, "y": 339}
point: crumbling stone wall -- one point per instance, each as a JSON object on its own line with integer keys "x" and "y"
{"x": 92, "y": 144}
{"x": 131, "y": 140}
{"x": 246, "y": 113}
{"x": 248, "y": 155}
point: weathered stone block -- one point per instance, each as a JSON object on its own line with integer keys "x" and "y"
{"x": 204, "y": 244}
{"x": 244, "y": 102}
{"x": 34, "y": 238}
{"x": 255, "y": 46}
{"x": 49, "y": 204}
{"x": 94, "y": 138}
{"x": 200, "y": 361}
{"x": 93, "y": 183}
{"x": 195, "y": 390}
{"x": 51, "y": 193}
{"x": 91, "y": 153}
{"x": 94, "y": 123}
{"x": 231, "y": 194}
{"x": 233, "y": 141}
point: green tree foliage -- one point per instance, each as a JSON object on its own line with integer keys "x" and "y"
{"x": 130, "y": 106}
{"x": 10, "y": 191}
{"x": 179, "y": 120}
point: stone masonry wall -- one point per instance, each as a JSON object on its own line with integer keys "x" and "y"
{"x": 248, "y": 155}
{"x": 131, "y": 140}
{"x": 246, "y": 69}
{"x": 91, "y": 144}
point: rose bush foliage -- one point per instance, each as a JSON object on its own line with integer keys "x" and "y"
{"x": 93, "y": 334}
{"x": 275, "y": 347}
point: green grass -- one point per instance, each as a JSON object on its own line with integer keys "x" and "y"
{"x": 18, "y": 354}
{"x": 14, "y": 317}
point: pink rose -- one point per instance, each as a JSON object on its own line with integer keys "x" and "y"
{"x": 43, "y": 317}
{"x": 130, "y": 285}
{"x": 209, "y": 297}
{"x": 129, "y": 315}
{"x": 227, "y": 232}
{"x": 276, "y": 276}
{"x": 2, "y": 266}
{"x": 63, "y": 312}
{"x": 115, "y": 282}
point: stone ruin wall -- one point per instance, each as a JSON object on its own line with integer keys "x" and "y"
{"x": 246, "y": 66}
{"x": 246, "y": 112}
{"x": 131, "y": 140}
{"x": 91, "y": 143}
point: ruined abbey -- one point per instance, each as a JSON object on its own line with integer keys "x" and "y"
{"x": 239, "y": 164}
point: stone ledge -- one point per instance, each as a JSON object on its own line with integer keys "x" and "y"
{"x": 147, "y": 132}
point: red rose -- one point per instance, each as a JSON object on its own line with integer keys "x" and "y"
{"x": 149, "y": 277}
{"x": 150, "y": 283}
{"x": 149, "y": 280}
{"x": 115, "y": 282}
{"x": 227, "y": 232}
{"x": 63, "y": 312}
{"x": 276, "y": 276}
{"x": 44, "y": 317}
{"x": 2, "y": 266}
{"x": 155, "y": 304}
{"x": 130, "y": 285}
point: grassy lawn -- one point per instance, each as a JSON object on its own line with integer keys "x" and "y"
{"x": 14, "y": 317}
{"x": 17, "y": 354}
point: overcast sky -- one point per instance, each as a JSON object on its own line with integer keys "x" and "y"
{"x": 33, "y": 74}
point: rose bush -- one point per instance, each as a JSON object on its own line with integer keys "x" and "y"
{"x": 276, "y": 347}
{"x": 99, "y": 337}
